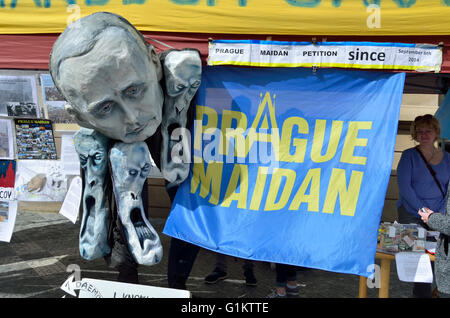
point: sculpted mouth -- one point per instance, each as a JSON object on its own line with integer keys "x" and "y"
{"x": 142, "y": 231}
{"x": 137, "y": 130}
{"x": 90, "y": 218}
{"x": 141, "y": 127}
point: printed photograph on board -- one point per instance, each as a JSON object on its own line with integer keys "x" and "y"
{"x": 4, "y": 212}
{"x": 35, "y": 139}
{"x": 54, "y": 102}
{"x": 6, "y": 139}
{"x": 40, "y": 180}
{"x": 18, "y": 96}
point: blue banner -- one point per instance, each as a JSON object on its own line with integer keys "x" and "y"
{"x": 290, "y": 165}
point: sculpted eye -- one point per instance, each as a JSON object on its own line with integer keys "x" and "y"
{"x": 98, "y": 156}
{"x": 133, "y": 91}
{"x": 196, "y": 84}
{"x": 105, "y": 108}
{"x": 83, "y": 159}
{"x": 133, "y": 172}
{"x": 180, "y": 87}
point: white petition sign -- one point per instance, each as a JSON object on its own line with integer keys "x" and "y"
{"x": 363, "y": 55}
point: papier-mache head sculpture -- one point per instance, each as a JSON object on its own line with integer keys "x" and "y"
{"x": 109, "y": 76}
{"x": 131, "y": 165}
{"x": 92, "y": 149}
{"x": 113, "y": 83}
{"x": 182, "y": 74}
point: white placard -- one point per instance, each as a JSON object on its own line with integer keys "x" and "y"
{"x": 71, "y": 204}
{"x": 8, "y": 212}
{"x": 414, "y": 267}
{"x": 95, "y": 288}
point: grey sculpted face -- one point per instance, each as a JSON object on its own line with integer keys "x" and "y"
{"x": 182, "y": 73}
{"x": 109, "y": 76}
{"x": 130, "y": 167}
{"x": 91, "y": 147}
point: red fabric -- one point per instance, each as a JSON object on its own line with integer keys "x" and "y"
{"x": 32, "y": 51}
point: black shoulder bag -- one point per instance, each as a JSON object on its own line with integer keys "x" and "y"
{"x": 433, "y": 173}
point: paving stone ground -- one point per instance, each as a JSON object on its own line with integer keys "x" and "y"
{"x": 43, "y": 245}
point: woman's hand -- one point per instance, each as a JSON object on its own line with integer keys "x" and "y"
{"x": 425, "y": 215}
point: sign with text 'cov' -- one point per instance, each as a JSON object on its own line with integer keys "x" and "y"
{"x": 289, "y": 165}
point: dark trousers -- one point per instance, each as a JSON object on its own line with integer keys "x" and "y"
{"x": 285, "y": 273}
{"x": 420, "y": 290}
{"x": 182, "y": 256}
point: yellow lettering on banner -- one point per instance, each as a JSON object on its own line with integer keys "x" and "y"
{"x": 239, "y": 177}
{"x": 298, "y": 143}
{"x": 211, "y": 116}
{"x": 319, "y": 137}
{"x": 352, "y": 140}
{"x": 259, "y": 188}
{"x": 348, "y": 197}
{"x": 237, "y": 133}
{"x": 263, "y": 122}
{"x": 275, "y": 183}
{"x": 209, "y": 181}
{"x": 312, "y": 199}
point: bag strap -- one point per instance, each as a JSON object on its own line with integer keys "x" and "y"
{"x": 433, "y": 173}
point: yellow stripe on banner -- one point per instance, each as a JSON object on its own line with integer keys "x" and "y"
{"x": 294, "y": 17}
{"x": 340, "y": 65}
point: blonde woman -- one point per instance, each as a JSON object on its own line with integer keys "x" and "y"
{"x": 423, "y": 175}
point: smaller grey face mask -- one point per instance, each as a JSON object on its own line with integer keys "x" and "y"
{"x": 182, "y": 72}
{"x": 131, "y": 165}
{"x": 91, "y": 147}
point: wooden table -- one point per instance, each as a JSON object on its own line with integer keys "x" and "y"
{"x": 385, "y": 270}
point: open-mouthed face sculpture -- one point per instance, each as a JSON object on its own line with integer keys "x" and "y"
{"x": 109, "y": 76}
{"x": 131, "y": 165}
{"x": 91, "y": 147}
{"x": 182, "y": 73}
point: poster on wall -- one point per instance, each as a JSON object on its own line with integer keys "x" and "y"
{"x": 54, "y": 102}
{"x": 69, "y": 155}
{"x": 34, "y": 139}
{"x": 18, "y": 96}
{"x": 7, "y": 179}
{"x": 40, "y": 180}
{"x": 6, "y": 139}
{"x": 8, "y": 211}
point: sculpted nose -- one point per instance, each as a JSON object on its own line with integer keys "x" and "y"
{"x": 130, "y": 116}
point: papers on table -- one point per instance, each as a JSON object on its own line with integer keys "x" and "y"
{"x": 414, "y": 267}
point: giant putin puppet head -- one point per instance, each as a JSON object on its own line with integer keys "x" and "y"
{"x": 109, "y": 76}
